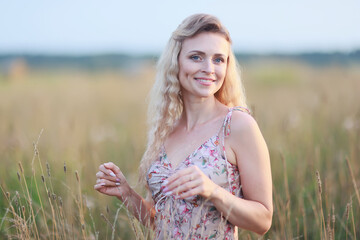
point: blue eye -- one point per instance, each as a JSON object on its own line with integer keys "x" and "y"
{"x": 195, "y": 57}
{"x": 219, "y": 60}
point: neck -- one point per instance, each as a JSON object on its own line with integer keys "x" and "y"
{"x": 199, "y": 111}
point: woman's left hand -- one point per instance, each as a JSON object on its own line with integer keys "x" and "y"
{"x": 189, "y": 182}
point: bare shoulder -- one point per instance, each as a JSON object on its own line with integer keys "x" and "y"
{"x": 246, "y": 139}
{"x": 242, "y": 124}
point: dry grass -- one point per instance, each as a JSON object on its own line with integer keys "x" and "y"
{"x": 310, "y": 118}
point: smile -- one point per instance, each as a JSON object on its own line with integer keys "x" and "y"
{"x": 205, "y": 80}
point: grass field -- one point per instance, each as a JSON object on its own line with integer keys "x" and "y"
{"x": 56, "y": 127}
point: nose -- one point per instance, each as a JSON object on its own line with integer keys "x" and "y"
{"x": 208, "y": 67}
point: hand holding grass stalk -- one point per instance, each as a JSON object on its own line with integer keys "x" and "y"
{"x": 111, "y": 181}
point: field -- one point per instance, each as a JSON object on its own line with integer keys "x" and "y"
{"x": 57, "y": 127}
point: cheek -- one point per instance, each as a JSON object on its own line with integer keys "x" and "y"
{"x": 221, "y": 72}
{"x": 187, "y": 70}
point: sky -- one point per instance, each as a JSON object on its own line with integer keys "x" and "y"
{"x": 143, "y": 27}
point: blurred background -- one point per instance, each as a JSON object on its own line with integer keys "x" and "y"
{"x": 74, "y": 79}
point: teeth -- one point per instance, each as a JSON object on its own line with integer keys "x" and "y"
{"x": 204, "y": 81}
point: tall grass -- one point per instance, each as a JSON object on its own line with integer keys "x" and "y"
{"x": 310, "y": 118}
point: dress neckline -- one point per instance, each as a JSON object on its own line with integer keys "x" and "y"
{"x": 216, "y": 135}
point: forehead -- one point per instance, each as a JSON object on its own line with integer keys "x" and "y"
{"x": 207, "y": 42}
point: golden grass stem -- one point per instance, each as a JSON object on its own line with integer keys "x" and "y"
{"x": 353, "y": 220}
{"x": 353, "y": 180}
{"x": 30, "y": 203}
{"x": 114, "y": 224}
{"x": 288, "y": 199}
{"x": 80, "y": 206}
{"x": 322, "y": 218}
{"x": 347, "y": 213}
{"x": 36, "y": 155}
{"x": 302, "y": 207}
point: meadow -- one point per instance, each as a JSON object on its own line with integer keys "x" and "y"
{"x": 57, "y": 126}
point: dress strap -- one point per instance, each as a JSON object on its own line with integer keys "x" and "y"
{"x": 226, "y": 132}
{"x": 226, "y": 124}
{"x": 227, "y": 120}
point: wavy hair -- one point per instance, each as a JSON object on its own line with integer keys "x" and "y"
{"x": 166, "y": 105}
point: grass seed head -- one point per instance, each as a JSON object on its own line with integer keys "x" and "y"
{"x": 21, "y": 168}
{"x": 8, "y": 195}
{"x": 18, "y": 175}
{"x": 347, "y": 211}
{"x": 318, "y": 182}
{"x": 48, "y": 169}
{"x": 64, "y": 167}
{"x": 77, "y": 176}
{"x": 35, "y": 149}
{"x": 42, "y": 178}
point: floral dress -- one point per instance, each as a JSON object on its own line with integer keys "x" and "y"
{"x": 195, "y": 217}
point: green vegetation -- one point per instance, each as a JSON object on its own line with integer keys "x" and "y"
{"x": 58, "y": 126}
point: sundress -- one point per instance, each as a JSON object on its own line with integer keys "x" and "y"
{"x": 195, "y": 217}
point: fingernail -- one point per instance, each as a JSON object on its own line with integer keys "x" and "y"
{"x": 112, "y": 174}
{"x": 117, "y": 184}
{"x": 118, "y": 179}
{"x": 165, "y": 182}
{"x": 165, "y": 189}
{"x": 102, "y": 184}
{"x": 168, "y": 193}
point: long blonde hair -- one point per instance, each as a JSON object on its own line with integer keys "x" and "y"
{"x": 166, "y": 105}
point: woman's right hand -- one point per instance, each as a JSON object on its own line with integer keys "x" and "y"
{"x": 111, "y": 181}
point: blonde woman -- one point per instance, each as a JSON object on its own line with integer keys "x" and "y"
{"x": 206, "y": 165}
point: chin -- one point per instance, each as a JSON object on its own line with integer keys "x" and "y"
{"x": 205, "y": 95}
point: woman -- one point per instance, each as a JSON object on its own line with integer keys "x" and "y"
{"x": 206, "y": 166}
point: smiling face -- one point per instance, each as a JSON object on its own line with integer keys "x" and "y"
{"x": 202, "y": 64}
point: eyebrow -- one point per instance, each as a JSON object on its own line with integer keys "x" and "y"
{"x": 203, "y": 53}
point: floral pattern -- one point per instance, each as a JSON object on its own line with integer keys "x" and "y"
{"x": 195, "y": 217}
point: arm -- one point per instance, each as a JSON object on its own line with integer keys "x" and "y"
{"x": 112, "y": 182}
{"x": 254, "y": 212}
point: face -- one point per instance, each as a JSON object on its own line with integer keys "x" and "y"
{"x": 202, "y": 64}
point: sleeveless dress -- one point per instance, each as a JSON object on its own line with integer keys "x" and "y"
{"x": 195, "y": 217}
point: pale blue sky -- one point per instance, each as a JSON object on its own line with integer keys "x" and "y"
{"x": 113, "y": 26}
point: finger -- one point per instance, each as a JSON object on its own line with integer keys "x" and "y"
{"x": 107, "y": 183}
{"x": 101, "y": 175}
{"x": 114, "y": 169}
{"x": 99, "y": 184}
{"x": 99, "y": 181}
{"x": 177, "y": 175}
{"x": 180, "y": 183}
{"x": 107, "y": 171}
{"x": 97, "y": 187}
{"x": 189, "y": 193}
{"x": 185, "y": 187}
